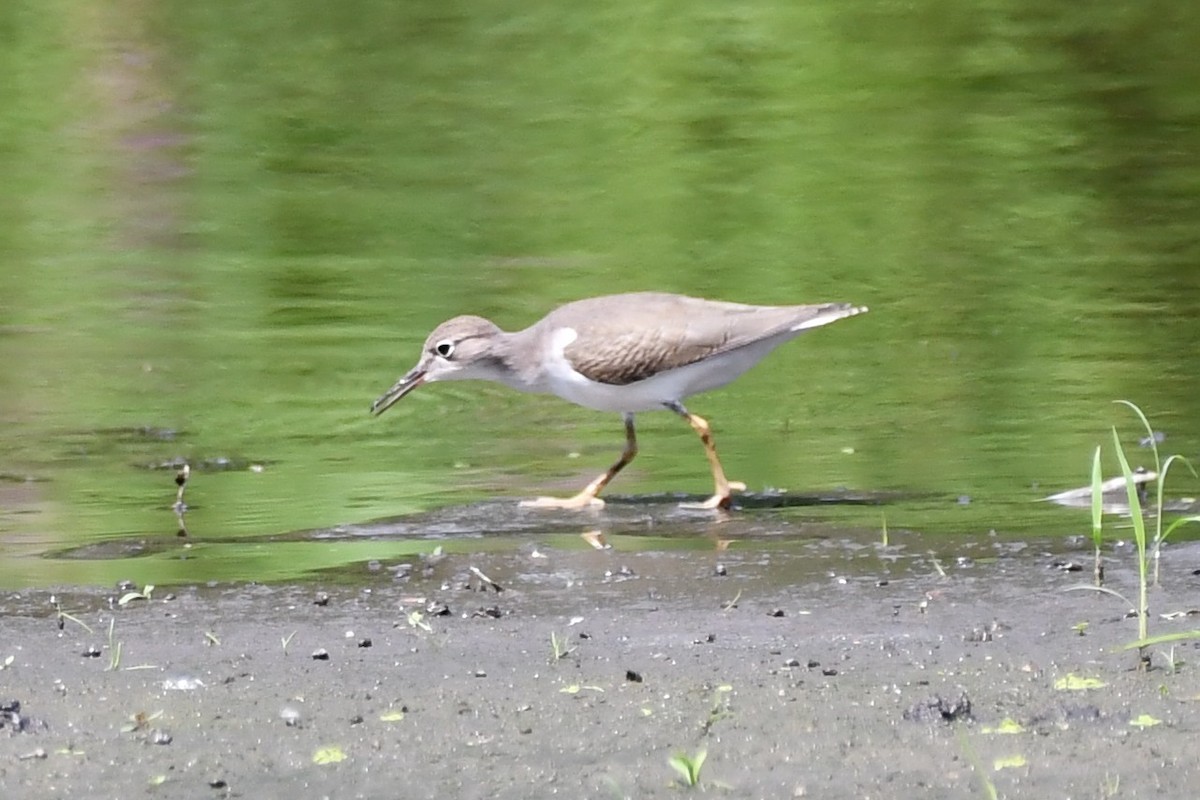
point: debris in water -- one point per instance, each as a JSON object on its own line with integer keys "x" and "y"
{"x": 1115, "y": 497}
{"x": 1157, "y": 437}
{"x": 486, "y": 581}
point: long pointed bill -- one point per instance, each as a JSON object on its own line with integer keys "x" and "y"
{"x": 414, "y": 378}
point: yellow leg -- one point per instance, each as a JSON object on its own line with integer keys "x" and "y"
{"x": 587, "y": 498}
{"x": 723, "y": 488}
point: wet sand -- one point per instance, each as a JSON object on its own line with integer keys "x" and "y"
{"x": 840, "y": 669}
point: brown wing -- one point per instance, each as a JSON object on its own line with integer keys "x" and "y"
{"x": 623, "y": 339}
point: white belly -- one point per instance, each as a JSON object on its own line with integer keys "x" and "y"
{"x": 652, "y": 393}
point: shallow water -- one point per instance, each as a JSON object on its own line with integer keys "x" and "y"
{"x": 225, "y": 232}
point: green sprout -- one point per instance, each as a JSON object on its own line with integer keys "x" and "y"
{"x": 558, "y": 648}
{"x": 688, "y": 767}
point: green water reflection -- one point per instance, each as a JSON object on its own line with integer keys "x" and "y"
{"x": 233, "y": 223}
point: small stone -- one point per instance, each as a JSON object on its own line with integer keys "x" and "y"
{"x": 320, "y": 654}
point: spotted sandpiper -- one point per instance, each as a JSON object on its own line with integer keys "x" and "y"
{"x": 623, "y": 352}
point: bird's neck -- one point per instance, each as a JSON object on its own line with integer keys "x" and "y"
{"x": 502, "y": 365}
{"x": 513, "y": 364}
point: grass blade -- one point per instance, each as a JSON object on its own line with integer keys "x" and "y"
{"x": 1139, "y": 527}
{"x": 1097, "y": 516}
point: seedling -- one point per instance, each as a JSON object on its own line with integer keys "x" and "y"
{"x": 62, "y": 616}
{"x": 719, "y": 709}
{"x": 689, "y": 767}
{"x": 1162, "y": 468}
{"x": 129, "y": 597}
{"x": 1146, "y": 548}
{"x": 989, "y": 788}
{"x": 114, "y": 648}
{"x": 558, "y": 648}
{"x": 1139, "y": 538}
{"x": 1168, "y": 656}
{"x": 1097, "y": 517}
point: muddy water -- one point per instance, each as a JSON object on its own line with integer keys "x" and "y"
{"x": 784, "y": 548}
{"x": 223, "y": 234}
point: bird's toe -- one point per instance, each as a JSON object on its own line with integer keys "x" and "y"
{"x": 576, "y": 503}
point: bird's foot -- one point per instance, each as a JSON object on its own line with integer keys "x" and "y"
{"x": 720, "y": 499}
{"x": 576, "y": 503}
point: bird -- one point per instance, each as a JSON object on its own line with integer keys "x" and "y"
{"x": 624, "y": 353}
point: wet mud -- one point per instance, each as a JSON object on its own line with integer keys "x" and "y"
{"x": 837, "y": 667}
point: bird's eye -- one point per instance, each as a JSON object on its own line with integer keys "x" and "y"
{"x": 445, "y": 349}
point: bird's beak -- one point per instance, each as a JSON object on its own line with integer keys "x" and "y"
{"x": 411, "y": 380}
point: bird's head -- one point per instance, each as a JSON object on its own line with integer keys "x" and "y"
{"x": 459, "y": 349}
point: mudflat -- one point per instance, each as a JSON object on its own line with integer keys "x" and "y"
{"x": 838, "y": 669}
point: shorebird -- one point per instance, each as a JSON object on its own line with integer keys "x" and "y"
{"x": 623, "y": 352}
